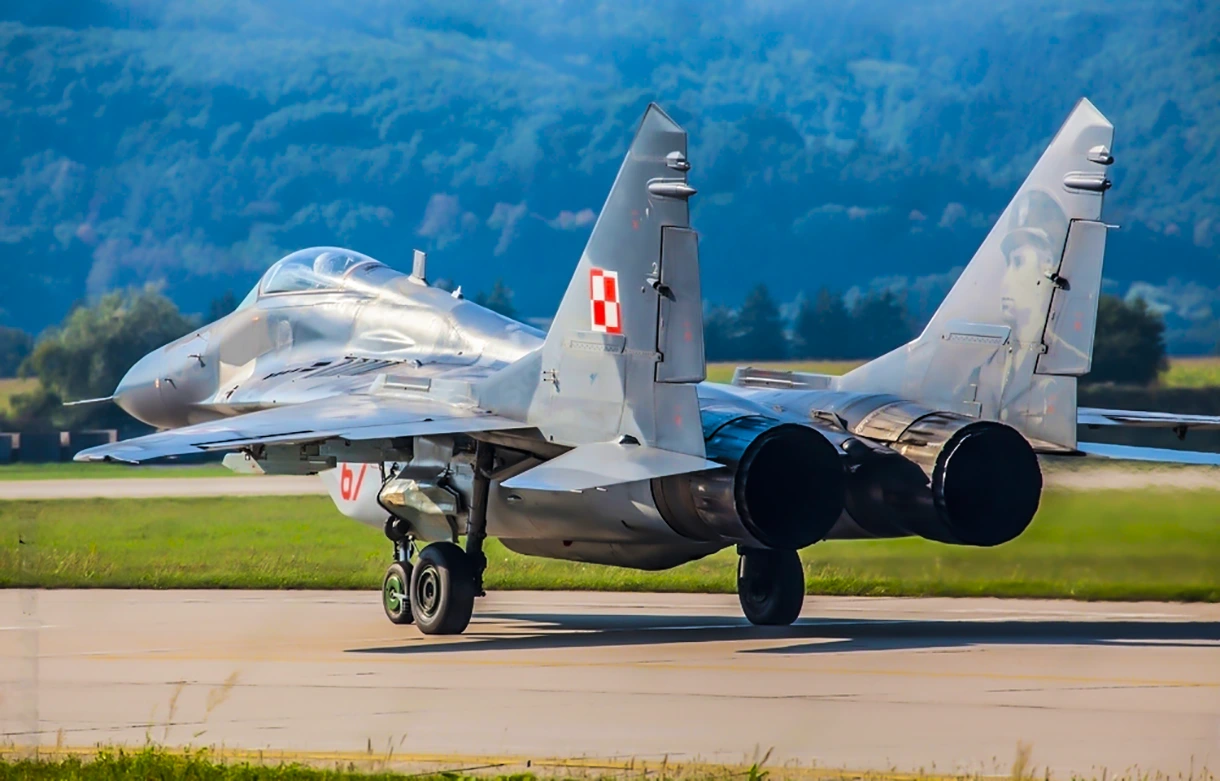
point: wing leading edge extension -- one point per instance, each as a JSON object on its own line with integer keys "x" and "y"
{"x": 352, "y": 418}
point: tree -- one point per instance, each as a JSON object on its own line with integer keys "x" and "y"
{"x": 1130, "y": 343}
{"x": 720, "y": 342}
{"x": 761, "y": 330}
{"x": 879, "y": 324}
{"x": 15, "y": 345}
{"x": 221, "y": 307}
{"x": 89, "y": 353}
{"x": 823, "y": 327}
{"x": 499, "y": 300}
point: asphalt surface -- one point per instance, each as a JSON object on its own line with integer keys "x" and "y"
{"x": 858, "y": 683}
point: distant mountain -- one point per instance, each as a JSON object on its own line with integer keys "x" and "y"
{"x": 865, "y": 144}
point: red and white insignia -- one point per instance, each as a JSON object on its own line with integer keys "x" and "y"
{"x": 603, "y": 298}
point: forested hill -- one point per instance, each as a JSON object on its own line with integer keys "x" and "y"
{"x": 863, "y": 144}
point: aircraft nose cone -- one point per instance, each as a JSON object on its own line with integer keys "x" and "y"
{"x": 139, "y": 392}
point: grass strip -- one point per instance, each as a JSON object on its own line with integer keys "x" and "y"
{"x": 75, "y": 471}
{"x": 1116, "y": 545}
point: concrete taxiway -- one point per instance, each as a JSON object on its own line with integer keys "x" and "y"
{"x": 857, "y": 683}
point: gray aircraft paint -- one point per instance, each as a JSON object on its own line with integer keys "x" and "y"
{"x": 338, "y": 364}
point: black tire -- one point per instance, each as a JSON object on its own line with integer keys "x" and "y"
{"x": 442, "y": 590}
{"x": 396, "y": 593}
{"x": 771, "y": 586}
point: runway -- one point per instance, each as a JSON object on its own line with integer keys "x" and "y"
{"x": 858, "y": 683}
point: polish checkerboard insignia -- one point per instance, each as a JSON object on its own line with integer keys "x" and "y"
{"x": 604, "y": 300}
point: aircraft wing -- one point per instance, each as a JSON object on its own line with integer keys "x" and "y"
{"x": 349, "y": 417}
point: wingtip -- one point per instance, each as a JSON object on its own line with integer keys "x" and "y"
{"x": 97, "y": 455}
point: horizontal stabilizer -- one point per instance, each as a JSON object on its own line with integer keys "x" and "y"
{"x": 1093, "y": 417}
{"x": 606, "y": 463}
{"x": 1157, "y": 454}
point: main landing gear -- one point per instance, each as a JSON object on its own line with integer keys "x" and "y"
{"x": 437, "y": 594}
{"x": 770, "y": 585}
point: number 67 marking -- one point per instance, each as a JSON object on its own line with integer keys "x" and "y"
{"x": 347, "y": 490}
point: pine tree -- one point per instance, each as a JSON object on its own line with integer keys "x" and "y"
{"x": 1130, "y": 343}
{"x": 499, "y": 300}
{"x": 221, "y": 307}
{"x": 720, "y": 340}
{"x": 823, "y": 327}
{"x": 761, "y": 329}
{"x": 880, "y": 321}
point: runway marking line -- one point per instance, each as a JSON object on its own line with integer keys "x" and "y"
{"x": 679, "y": 666}
{"x": 633, "y": 765}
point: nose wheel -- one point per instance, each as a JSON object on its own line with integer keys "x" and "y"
{"x": 770, "y": 585}
{"x": 396, "y": 593}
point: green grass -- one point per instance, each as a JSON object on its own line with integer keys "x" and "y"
{"x": 201, "y": 765}
{"x": 723, "y": 372}
{"x": 1202, "y": 372}
{"x": 1119, "y": 545}
{"x": 74, "y": 471}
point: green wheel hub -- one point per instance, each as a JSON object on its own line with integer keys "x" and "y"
{"x": 394, "y": 594}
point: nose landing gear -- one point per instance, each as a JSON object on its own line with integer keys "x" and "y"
{"x": 438, "y": 592}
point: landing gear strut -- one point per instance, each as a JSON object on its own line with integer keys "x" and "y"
{"x": 770, "y": 585}
{"x": 476, "y": 525}
{"x": 442, "y": 586}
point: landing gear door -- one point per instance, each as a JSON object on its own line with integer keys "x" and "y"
{"x": 680, "y": 335}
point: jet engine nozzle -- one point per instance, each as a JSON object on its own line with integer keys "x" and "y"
{"x": 947, "y": 478}
{"x": 781, "y": 486}
{"x": 986, "y": 483}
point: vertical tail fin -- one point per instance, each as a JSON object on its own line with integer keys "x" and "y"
{"x": 625, "y": 349}
{"x": 1017, "y": 328}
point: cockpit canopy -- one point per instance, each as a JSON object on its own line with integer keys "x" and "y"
{"x": 316, "y": 268}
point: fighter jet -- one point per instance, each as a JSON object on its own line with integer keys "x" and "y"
{"x": 433, "y": 418}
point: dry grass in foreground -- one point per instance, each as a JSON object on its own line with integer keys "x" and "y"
{"x": 169, "y": 764}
